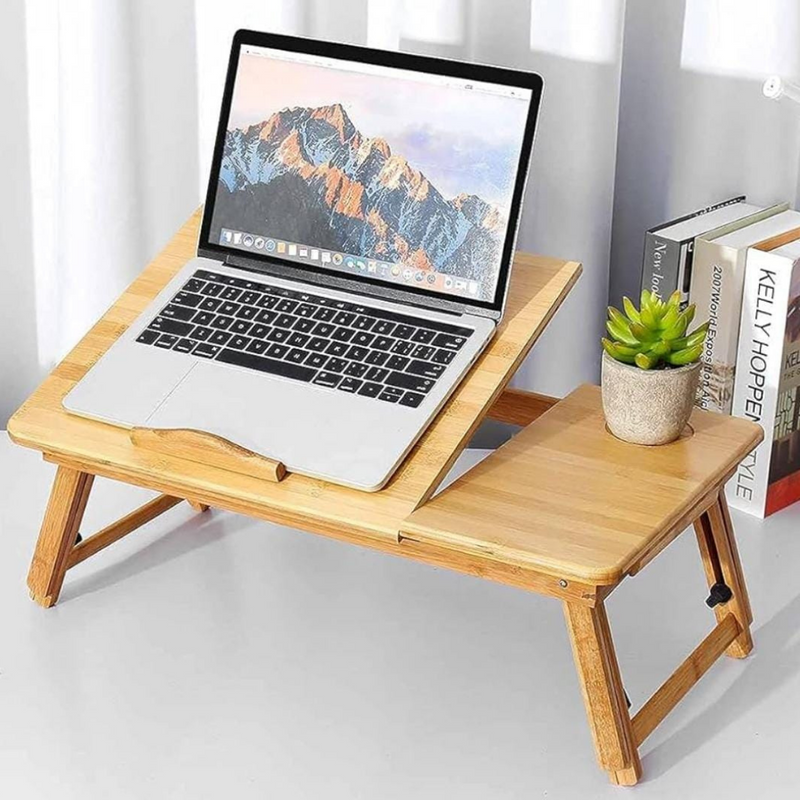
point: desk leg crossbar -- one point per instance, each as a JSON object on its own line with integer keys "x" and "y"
{"x": 57, "y": 548}
{"x": 617, "y": 736}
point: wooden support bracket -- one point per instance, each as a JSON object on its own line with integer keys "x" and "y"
{"x": 208, "y": 449}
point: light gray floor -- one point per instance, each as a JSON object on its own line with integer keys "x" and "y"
{"x": 209, "y": 656}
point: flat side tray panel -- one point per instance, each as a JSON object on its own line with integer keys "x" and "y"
{"x": 566, "y": 498}
{"x": 538, "y": 287}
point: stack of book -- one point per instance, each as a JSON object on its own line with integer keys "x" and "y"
{"x": 740, "y": 265}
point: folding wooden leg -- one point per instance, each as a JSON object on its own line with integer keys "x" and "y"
{"x": 200, "y": 507}
{"x": 58, "y": 534}
{"x": 603, "y": 695}
{"x": 721, "y": 562}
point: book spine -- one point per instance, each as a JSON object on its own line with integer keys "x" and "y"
{"x": 660, "y": 265}
{"x": 717, "y": 281}
{"x": 759, "y": 367}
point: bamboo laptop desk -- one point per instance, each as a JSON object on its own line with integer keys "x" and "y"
{"x": 552, "y": 557}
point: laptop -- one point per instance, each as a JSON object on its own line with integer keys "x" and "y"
{"x": 353, "y": 259}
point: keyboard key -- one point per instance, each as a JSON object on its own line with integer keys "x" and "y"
{"x": 278, "y": 335}
{"x": 404, "y": 380}
{"x": 325, "y": 314}
{"x": 298, "y": 339}
{"x": 443, "y": 356}
{"x": 316, "y": 344}
{"x": 166, "y": 325}
{"x": 187, "y": 299}
{"x": 356, "y": 369}
{"x": 205, "y": 350}
{"x": 250, "y": 298}
{"x": 357, "y": 353}
{"x": 390, "y": 395}
{"x": 423, "y": 336}
{"x": 286, "y": 305}
{"x": 184, "y": 346}
{"x": 259, "y": 330}
{"x": 377, "y": 374}
{"x": 363, "y": 339}
{"x": 304, "y": 325}
{"x": 423, "y": 351}
{"x": 398, "y": 362}
{"x": 411, "y": 399}
{"x": 219, "y": 337}
{"x": 257, "y": 346}
{"x": 210, "y": 304}
{"x": 383, "y": 326}
{"x": 200, "y": 333}
{"x": 266, "y": 316}
{"x": 147, "y": 337}
{"x": 376, "y": 358}
{"x": 193, "y": 285}
{"x": 223, "y": 323}
{"x": 336, "y": 365}
{"x": 285, "y": 320}
{"x": 212, "y": 289}
{"x": 285, "y": 369}
{"x": 267, "y": 301}
{"x": 343, "y": 334}
{"x": 425, "y": 369}
{"x": 324, "y": 329}
{"x": 329, "y": 379}
{"x": 240, "y": 326}
{"x": 316, "y": 360}
{"x": 230, "y": 293}
{"x": 403, "y": 348}
{"x": 363, "y": 323}
{"x": 296, "y": 355}
{"x": 370, "y": 389}
{"x": 449, "y": 342}
{"x": 247, "y": 312}
{"x": 203, "y": 318}
{"x": 184, "y": 313}
{"x": 305, "y": 310}
{"x": 382, "y": 343}
{"x": 336, "y": 349}
{"x": 229, "y": 309}
{"x": 404, "y": 331}
{"x": 349, "y": 385}
{"x": 277, "y": 350}
{"x": 344, "y": 318}
{"x": 239, "y": 342}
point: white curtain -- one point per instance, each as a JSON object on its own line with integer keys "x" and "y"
{"x": 651, "y": 108}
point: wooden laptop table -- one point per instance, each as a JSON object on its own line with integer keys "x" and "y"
{"x": 575, "y": 540}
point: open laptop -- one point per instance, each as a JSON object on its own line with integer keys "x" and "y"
{"x": 352, "y": 264}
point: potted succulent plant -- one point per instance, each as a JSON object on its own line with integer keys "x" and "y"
{"x": 651, "y": 366}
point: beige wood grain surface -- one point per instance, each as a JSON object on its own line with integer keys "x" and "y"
{"x": 566, "y": 498}
{"x": 538, "y": 287}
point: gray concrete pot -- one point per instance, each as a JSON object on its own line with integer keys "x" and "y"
{"x": 647, "y": 406}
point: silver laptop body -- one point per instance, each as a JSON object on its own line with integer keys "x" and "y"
{"x": 338, "y": 296}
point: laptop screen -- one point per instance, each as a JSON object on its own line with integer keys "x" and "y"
{"x": 388, "y": 174}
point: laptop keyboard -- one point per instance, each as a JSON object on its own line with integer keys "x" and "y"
{"x": 335, "y": 344}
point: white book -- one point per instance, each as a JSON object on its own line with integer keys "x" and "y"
{"x": 717, "y": 281}
{"x": 768, "y": 381}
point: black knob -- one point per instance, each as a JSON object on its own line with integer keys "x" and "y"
{"x": 720, "y": 593}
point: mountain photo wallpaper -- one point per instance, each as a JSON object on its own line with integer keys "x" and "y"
{"x": 404, "y": 172}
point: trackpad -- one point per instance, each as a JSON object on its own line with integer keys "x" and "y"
{"x": 308, "y": 428}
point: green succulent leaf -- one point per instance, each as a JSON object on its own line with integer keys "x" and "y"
{"x": 686, "y": 356}
{"x": 613, "y": 349}
{"x": 630, "y": 310}
{"x": 618, "y": 318}
{"x": 644, "y": 361}
{"x": 621, "y": 334}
